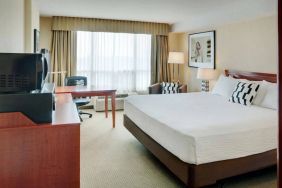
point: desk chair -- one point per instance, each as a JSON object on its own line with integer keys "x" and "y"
{"x": 79, "y": 81}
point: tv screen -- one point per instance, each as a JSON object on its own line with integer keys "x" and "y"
{"x": 20, "y": 72}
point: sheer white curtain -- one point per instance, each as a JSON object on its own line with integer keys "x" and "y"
{"x": 115, "y": 60}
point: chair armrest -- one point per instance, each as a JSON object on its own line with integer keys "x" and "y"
{"x": 155, "y": 89}
{"x": 182, "y": 88}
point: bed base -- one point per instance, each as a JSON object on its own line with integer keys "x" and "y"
{"x": 205, "y": 174}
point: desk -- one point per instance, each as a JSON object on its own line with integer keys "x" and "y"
{"x": 87, "y": 91}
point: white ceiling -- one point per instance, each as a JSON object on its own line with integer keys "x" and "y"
{"x": 184, "y": 14}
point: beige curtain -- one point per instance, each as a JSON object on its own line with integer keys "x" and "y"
{"x": 160, "y": 69}
{"x": 63, "y": 56}
{"x": 104, "y": 25}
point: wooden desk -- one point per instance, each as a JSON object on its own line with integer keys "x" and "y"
{"x": 41, "y": 156}
{"x": 87, "y": 91}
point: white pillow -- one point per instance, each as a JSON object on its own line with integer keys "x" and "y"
{"x": 261, "y": 93}
{"x": 250, "y": 81}
{"x": 224, "y": 86}
{"x": 270, "y": 99}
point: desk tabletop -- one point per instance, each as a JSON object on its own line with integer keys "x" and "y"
{"x": 65, "y": 111}
{"x": 79, "y": 89}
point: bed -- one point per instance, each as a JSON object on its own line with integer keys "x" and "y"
{"x": 193, "y": 145}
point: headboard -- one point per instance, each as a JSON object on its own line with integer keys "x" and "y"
{"x": 255, "y": 76}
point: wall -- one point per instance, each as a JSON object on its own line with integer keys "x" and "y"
{"x": 248, "y": 46}
{"x": 12, "y": 26}
{"x": 45, "y": 32}
{"x": 31, "y": 23}
{"x": 18, "y": 19}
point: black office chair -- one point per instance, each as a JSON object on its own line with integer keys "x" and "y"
{"x": 79, "y": 81}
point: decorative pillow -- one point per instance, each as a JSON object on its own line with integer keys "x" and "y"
{"x": 244, "y": 93}
{"x": 169, "y": 88}
{"x": 224, "y": 86}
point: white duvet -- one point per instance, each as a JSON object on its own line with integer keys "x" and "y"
{"x": 201, "y": 128}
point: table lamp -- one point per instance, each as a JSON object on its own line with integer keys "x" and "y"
{"x": 206, "y": 75}
{"x": 176, "y": 58}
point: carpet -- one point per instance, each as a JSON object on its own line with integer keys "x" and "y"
{"x": 114, "y": 158}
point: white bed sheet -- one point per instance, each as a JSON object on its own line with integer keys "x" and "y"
{"x": 200, "y": 127}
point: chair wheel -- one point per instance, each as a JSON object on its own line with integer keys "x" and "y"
{"x": 90, "y": 116}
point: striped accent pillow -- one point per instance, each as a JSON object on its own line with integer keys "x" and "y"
{"x": 244, "y": 93}
{"x": 169, "y": 88}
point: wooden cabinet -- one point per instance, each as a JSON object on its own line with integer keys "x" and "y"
{"x": 41, "y": 156}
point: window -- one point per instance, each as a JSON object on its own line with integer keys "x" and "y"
{"x": 115, "y": 60}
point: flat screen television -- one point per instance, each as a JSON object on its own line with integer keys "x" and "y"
{"x": 21, "y": 72}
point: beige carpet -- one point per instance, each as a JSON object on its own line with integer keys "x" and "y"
{"x": 114, "y": 158}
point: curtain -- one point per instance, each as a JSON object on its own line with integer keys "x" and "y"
{"x": 61, "y": 23}
{"x": 120, "y": 61}
{"x": 160, "y": 69}
{"x": 63, "y": 56}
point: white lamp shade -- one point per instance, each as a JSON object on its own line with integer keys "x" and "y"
{"x": 206, "y": 74}
{"x": 176, "y": 57}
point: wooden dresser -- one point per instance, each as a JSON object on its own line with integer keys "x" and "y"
{"x": 41, "y": 156}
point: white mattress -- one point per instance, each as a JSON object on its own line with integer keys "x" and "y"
{"x": 201, "y": 128}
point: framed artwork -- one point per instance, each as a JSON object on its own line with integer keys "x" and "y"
{"x": 35, "y": 40}
{"x": 202, "y": 50}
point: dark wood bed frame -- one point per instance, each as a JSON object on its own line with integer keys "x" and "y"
{"x": 207, "y": 174}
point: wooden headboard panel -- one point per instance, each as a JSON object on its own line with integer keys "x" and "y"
{"x": 255, "y": 76}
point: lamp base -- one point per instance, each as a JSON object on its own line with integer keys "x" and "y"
{"x": 205, "y": 86}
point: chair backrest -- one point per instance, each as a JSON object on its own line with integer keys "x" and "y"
{"x": 76, "y": 81}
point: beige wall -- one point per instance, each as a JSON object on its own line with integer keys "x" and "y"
{"x": 12, "y": 26}
{"x": 18, "y": 19}
{"x": 248, "y": 46}
{"x": 31, "y": 23}
{"x": 45, "y": 32}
